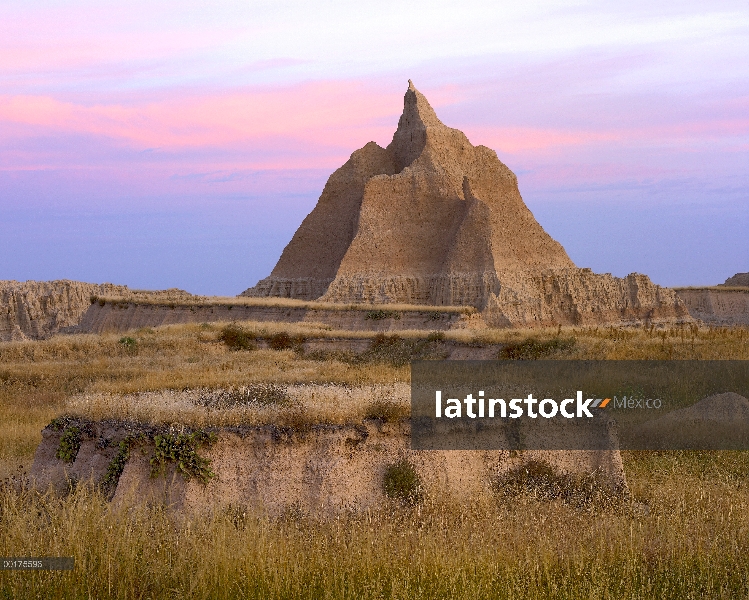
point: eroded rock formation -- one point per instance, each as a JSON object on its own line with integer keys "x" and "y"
{"x": 432, "y": 219}
{"x": 39, "y": 309}
{"x": 323, "y": 472}
{"x": 738, "y": 280}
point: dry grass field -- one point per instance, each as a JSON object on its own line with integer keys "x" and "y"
{"x": 686, "y": 535}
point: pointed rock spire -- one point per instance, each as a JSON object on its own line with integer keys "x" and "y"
{"x": 410, "y": 137}
{"x": 433, "y": 219}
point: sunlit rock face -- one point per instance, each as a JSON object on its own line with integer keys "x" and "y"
{"x": 39, "y": 309}
{"x": 432, "y": 219}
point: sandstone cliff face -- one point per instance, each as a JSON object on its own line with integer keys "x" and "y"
{"x": 580, "y": 297}
{"x": 432, "y": 219}
{"x": 716, "y": 306}
{"x": 39, "y": 309}
{"x": 429, "y": 219}
{"x": 328, "y": 471}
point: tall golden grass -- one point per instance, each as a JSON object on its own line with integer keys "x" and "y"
{"x": 688, "y": 538}
{"x": 685, "y": 536}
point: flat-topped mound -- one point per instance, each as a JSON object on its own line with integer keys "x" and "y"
{"x": 39, "y": 309}
{"x": 128, "y": 312}
{"x": 720, "y": 305}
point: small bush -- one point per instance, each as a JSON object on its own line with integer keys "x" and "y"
{"x": 94, "y": 299}
{"x": 181, "y": 450}
{"x": 70, "y": 443}
{"x": 117, "y": 465}
{"x": 533, "y": 349}
{"x": 129, "y": 344}
{"x": 436, "y": 336}
{"x": 102, "y": 302}
{"x": 237, "y": 338}
{"x": 402, "y": 482}
{"x": 386, "y": 410}
{"x": 540, "y": 481}
{"x": 283, "y": 341}
{"x": 398, "y": 351}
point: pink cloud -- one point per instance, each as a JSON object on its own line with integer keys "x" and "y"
{"x": 218, "y": 137}
{"x": 335, "y": 114}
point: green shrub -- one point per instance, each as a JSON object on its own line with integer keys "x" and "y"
{"x": 129, "y": 344}
{"x": 283, "y": 341}
{"x": 398, "y": 351}
{"x": 237, "y": 338}
{"x": 70, "y": 443}
{"x": 402, "y": 482}
{"x": 181, "y": 450}
{"x": 117, "y": 464}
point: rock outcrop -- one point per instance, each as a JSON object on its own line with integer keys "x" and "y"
{"x": 738, "y": 280}
{"x": 721, "y": 306}
{"x": 39, "y": 309}
{"x": 323, "y": 472}
{"x": 432, "y": 219}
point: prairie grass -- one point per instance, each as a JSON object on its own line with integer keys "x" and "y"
{"x": 333, "y": 404}
{"x": 685, "y": 536}
{"x": 40, "y": 380}
{"x": 716, "y": 288}
{"x": 691, "y": 541}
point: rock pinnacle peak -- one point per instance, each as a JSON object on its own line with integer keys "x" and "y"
{"x": 410, "y": 137}
{"x": 432, "y": 219}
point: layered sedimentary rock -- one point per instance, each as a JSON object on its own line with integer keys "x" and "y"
{"x": 580, "y": 297}
{"x": 723, "y": 306}
{"x": 432, "y": 219}
{"x": 39, "y": 309}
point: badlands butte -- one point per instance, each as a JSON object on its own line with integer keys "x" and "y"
{"x": 429, "y": 233}
{"x": 429, "y": 223}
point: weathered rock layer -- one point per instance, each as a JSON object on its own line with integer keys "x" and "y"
{"x": 717, "y": 305}
{"x": 432, "y": 219}
{"x": 39, "y": 309}
{"x": 324, "y": 471}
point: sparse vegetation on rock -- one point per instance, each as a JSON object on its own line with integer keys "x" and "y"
{"x": 402, "y": 482}
{"x": 181, "y": 450}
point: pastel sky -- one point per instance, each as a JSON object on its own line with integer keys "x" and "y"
{"x": 180, "y": 144}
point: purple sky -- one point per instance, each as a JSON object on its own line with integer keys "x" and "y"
{"x": 180, "y": 145}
